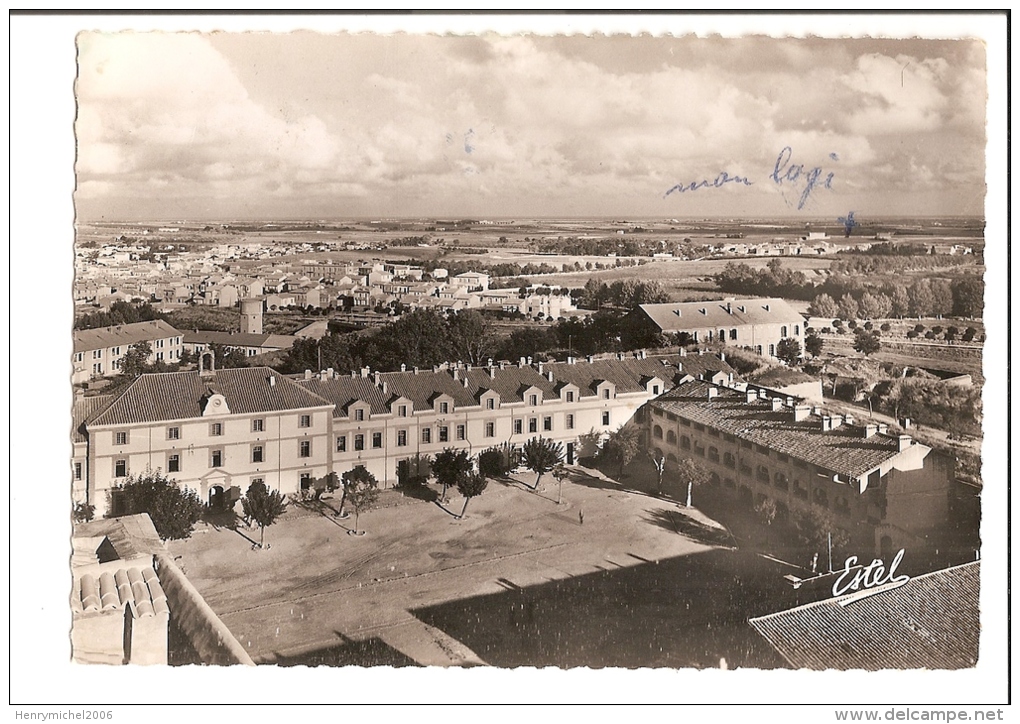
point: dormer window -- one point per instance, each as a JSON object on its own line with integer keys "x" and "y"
{"x": 359, "y": 415}
{"x": 605, "y": 394}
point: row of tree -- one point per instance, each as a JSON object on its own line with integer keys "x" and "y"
{"x": 862, "y": 297}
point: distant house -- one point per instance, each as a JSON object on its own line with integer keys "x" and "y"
{"x": 758, "y": 324}
{"x": 198, "y": 341}
{"x": 98, "y": 352}
{"x": 471, "y": 281}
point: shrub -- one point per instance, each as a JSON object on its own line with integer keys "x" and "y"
{"x": 918, "y": 328}
{"x": 885, "y": 327}
{"x": 929, "y": 334}
{"x": 912, "y": 334}
{"x": 869, "y": 326}
{"x": 497, "y": 462}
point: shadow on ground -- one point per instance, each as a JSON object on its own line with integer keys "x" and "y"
{"x": 677, "y": 522}
{"x": 684, "y": 612}
{"x": 367, "y": 652}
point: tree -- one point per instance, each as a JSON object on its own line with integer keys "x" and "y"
{"x": 83, "y": 512}
{"x": 361, "y": 489}
{"x": 560, "y": 473}
{"x": 814, "y": 344}
{"x": 449, "y": 467}
{"x": 814, "y": 528}
{"x": 766, "y": 511}
{"x": 848, "y": 308}
{"x": 471, "y": 337}
{"x": 136, "y": 360}
{"x": 922, "y": 299}
{"x": 470, "y": 484}
{"x": 788, "y": 350}
{"x": 691, "y": 472}
{"x": 621, "y": 447}
{"x": 264, "y": 506}
{"x": 969, "y": 297}
{"x": 540, "y": 455}
{"x": 174, "y": 510}
{"x": 867, "y": 343}
{"x": 823, "y": 306}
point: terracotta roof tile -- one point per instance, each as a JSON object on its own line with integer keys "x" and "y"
{"x": 843, "y": 450}
{"x": 84, "y": 408}
{"x": 931, "y": 622}
{"x": 136, "y": 588}
{"x": 179, "y": 395}
{"x": 123, "y": 335}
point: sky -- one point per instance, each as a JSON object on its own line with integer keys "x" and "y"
{"x": 191, "y": 126}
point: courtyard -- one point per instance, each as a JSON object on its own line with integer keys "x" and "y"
{"x": 611, "y": 576}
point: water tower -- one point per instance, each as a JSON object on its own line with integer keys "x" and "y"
{"x": 251, "y": 316}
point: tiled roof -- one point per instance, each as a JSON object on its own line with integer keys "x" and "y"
{"x": 116, "y": 591}
{"x": 509, "y": 382}
{"x": 123, "y": 335}
{"x": 179, "y": 395}
{"x": 84, "y": 408}
{"x": 238, "y": 339}
{"x": 843, "y": 450}
{"x": 930, "y": 622}
{"x": 697, "y": 315}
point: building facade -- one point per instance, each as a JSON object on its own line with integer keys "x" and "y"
{"x": 886, "y": 491}
{"x": 98, "y": 352}
{"x": 217, "y": 430}
{"x": 757, "y": 324}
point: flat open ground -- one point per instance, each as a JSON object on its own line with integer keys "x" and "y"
{"x": 519, "y": 581}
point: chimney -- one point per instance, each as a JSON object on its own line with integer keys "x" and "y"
{"x": 722, "y": 356}
{"x": 729, "y": 308}
{"x": 590, "y": 359}
{"x": 903, "y": 442}
{"x": 712, "y": 392}
{"x": 403, "y": 367}
{"x": 848, "y": 420}
{"x": 492, "y": 373}
{"x": 801, "y": 413}
{"x": 870, "y": 430}
{"x": 679, "y": 366}
{"x": 549, "y": 375}
{"x": 777, "y": 404}
{"x": 375, "y": 377}
{"x": 883, "y": 429}
{"x": 750, "y": 395}
{"x": 465, "y": 382}
{"x": 642, "y": 355}
{"x": 308, "y": 374}
{"x": 416, "y": 370}
{"x": 763, "y": 394}
{"x": 272, "y": 383}
{"x": 571, "y": 360}
{"x": 331, "y": 373}
{"x": 456, "y": 373}
{"x": 435, "y": 369}
{"x": 383, "y": 386}
{"x": 789, "y": 402}
{"x": 619, "y": 356}
{"x": 541, "y": 368}
{"x": 683, "y": 351}
{"x": 322, "y": 375}
{"x": 837, "y": 420}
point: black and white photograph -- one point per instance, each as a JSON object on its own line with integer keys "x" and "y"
{"x": 516, "y": 359}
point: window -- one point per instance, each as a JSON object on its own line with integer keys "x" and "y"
{"x": 306, "y": 481}
{"x": 216, "y": 429}
{"x": 97, "y": 354}
{"x": 605, "y": 394}
{"x": 305, "y": 449}
{"x": 763, "y": 473}
{"x": 461, "y": 432}
{"x": 796, "y": 330}
{"x": 821, "y": 498}
{"x": 671, "y": 437}
{"x": 359, "y": 442}
{"x": 490, "y": 429}
{"x": 305, "y": 421}
{"x": 426, "y": 434}
{"x": 655, "y": 389}
{"x": 402, "y": 411}
{"x": 341, "y": 444}
{"x": 490, "y": 404}
{"x": 570, "y": 395}
{"x": 173, "y": 464}
{"x": 532, "y": 400}
{"x": 772, "y": 350}
{"x": 444, "y": 408}
{"x": 685, "y": 442}
{"x": 216, "y": 460}
{"x": 728, "y": 460}
{"x": 713, "y": 454}
{"x": 444, "y": 433}
{"x": 359, "y": 415}
{"x": 121, "y": 438}
{"x": 120, "y": 468}
{"x": 780, "y": 480}
{"x": 115, "y": 350}
{"x": 97, "y": 369}
{"x": 79, "y": 357}
{"x": 605, "y": 418}
{"x": 570, "y": 422}
{"x": 77, "y": 471}
{"x": 159, "y": 343}
{"x": 159, "y": 356}
{"x": 376, "y": 440}
{"x": 256, "y": 453}
{"x": 782, "y": 331}
{"x": 533, "y": 424}
{"x": 518, "y": 427}
{"x": 547, "y": 424}
{"x": 173, "y": 433}
{"x": 657, "y": 432}
{"x": 261, "y": 481}
{"x": 401, "y": 438}
{"x": 258, "y": 425}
